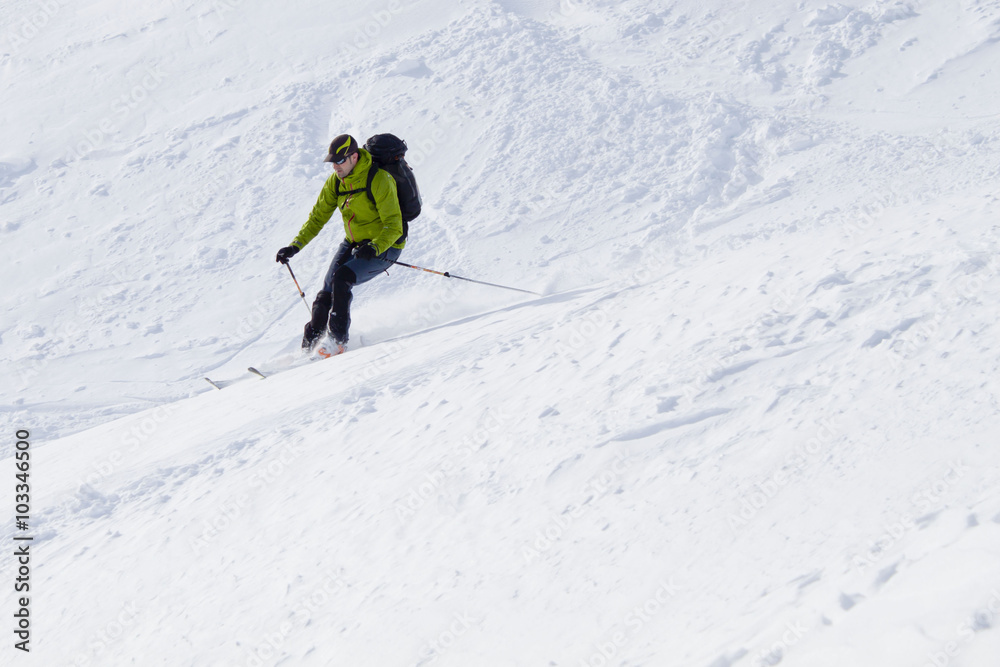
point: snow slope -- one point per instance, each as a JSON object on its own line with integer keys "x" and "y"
{"x": 751, "y": 421}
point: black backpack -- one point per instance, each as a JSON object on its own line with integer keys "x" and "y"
{"x": 387, "y": 151}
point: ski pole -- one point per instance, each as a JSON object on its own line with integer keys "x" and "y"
{"x": 301, "y": 293}
{"x": 446, "y": 274}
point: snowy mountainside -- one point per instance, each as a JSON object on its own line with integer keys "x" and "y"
{"x": 757, "y": 482}
{"x": 751, "y": 421}
{"x": 214, "y": 170}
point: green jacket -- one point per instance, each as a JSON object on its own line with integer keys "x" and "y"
{"x": 382, "y": 224}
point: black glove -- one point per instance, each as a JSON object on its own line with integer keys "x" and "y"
{"x": 286, "y": 254}
{"x": 366, "y": 251}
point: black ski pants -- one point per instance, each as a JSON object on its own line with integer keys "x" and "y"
{"x": 332, "y": 307}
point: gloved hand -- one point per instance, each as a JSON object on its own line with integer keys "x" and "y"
{"x": 366, "y": 250}
{"x": 286, "y": 254}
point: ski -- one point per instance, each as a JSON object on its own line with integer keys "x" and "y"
{"x": 221, "y": 384}
{"x": 324, "y": 351}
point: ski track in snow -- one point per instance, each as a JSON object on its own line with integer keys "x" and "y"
{"x": 750, "y": 422}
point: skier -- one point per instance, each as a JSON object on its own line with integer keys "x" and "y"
{"x": 373, "y": 227}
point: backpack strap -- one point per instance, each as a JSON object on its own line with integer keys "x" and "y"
{"x": 371, "y": 179}
{"x": 367, "y": 188}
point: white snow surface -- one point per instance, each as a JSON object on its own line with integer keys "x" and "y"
{"x": 752, "y": 420}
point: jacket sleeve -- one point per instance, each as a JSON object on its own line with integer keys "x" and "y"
{"x": 387, "y": 204}
{"x": 326, "y": 204}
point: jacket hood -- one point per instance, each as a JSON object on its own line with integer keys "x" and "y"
{"x": 359, "y": 175}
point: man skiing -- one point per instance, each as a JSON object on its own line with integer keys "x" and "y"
{"x": 374, "y": 238}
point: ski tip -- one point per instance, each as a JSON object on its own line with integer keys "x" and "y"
{"x": 213, "y": 384}
{"x": 257, "y": 372}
